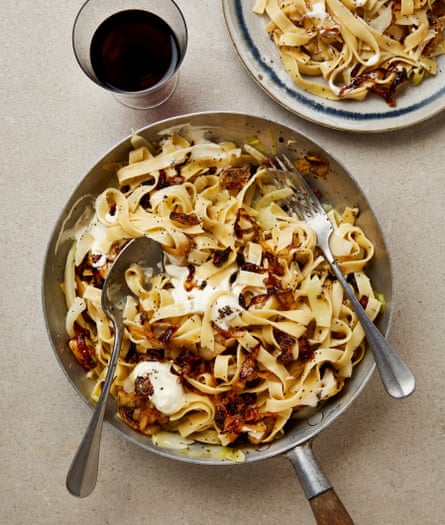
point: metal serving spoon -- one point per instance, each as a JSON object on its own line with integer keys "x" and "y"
{"x": 82, "y": 475}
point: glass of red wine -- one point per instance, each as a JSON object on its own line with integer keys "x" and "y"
{"x": 134, "y": 49}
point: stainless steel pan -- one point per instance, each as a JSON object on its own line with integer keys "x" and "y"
{"x": 338, "y": 188}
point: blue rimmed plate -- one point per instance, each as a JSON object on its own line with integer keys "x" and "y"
{"x": 261, "y": 58}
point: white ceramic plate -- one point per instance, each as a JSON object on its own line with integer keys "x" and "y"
{"x": 261, "y": 58}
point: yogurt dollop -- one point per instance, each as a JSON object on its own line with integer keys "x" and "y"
{"x": 168, "y": 394}
{"x": 222, "y": 299}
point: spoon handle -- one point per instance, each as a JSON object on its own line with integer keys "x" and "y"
{"x": 396, "y": 377}
{"x": 82, "y": 474}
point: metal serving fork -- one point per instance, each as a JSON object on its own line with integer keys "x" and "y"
{"x": 396, "y": 377}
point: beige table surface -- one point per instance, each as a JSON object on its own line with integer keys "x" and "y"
{"x": 384, "y": 457}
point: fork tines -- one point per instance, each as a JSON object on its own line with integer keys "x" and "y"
{"x": 302, "y": 200}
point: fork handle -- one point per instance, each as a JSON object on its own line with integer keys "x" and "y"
{"x": 396, "y": 377}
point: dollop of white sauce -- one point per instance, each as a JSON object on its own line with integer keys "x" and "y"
{"x": 168, "y": 396}
{"x": 318, "y": 11}
{"x": 225, "y": 310}
{"x": 198, "y": 299}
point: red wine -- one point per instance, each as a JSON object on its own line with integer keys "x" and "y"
{"x": 133, "y": 50}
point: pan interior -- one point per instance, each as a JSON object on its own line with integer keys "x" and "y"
{"x": 339, "y": 189}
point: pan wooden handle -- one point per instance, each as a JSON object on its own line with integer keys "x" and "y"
{"x": 329, "y": 510}
{"x": 326, "y": 505}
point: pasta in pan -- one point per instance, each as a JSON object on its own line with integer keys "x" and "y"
{"x": 245, "y": 326}
{"x": 356, "y": 46}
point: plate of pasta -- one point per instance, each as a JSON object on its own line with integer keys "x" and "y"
{"x": 243, "y": 345}
{"x": 355, "y": 65}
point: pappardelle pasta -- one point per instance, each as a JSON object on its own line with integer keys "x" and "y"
{"x": 356, "y": 46}
{"x": 245, "y": 326}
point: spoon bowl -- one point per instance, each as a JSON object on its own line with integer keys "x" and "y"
{"x": 82, "y": 475}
